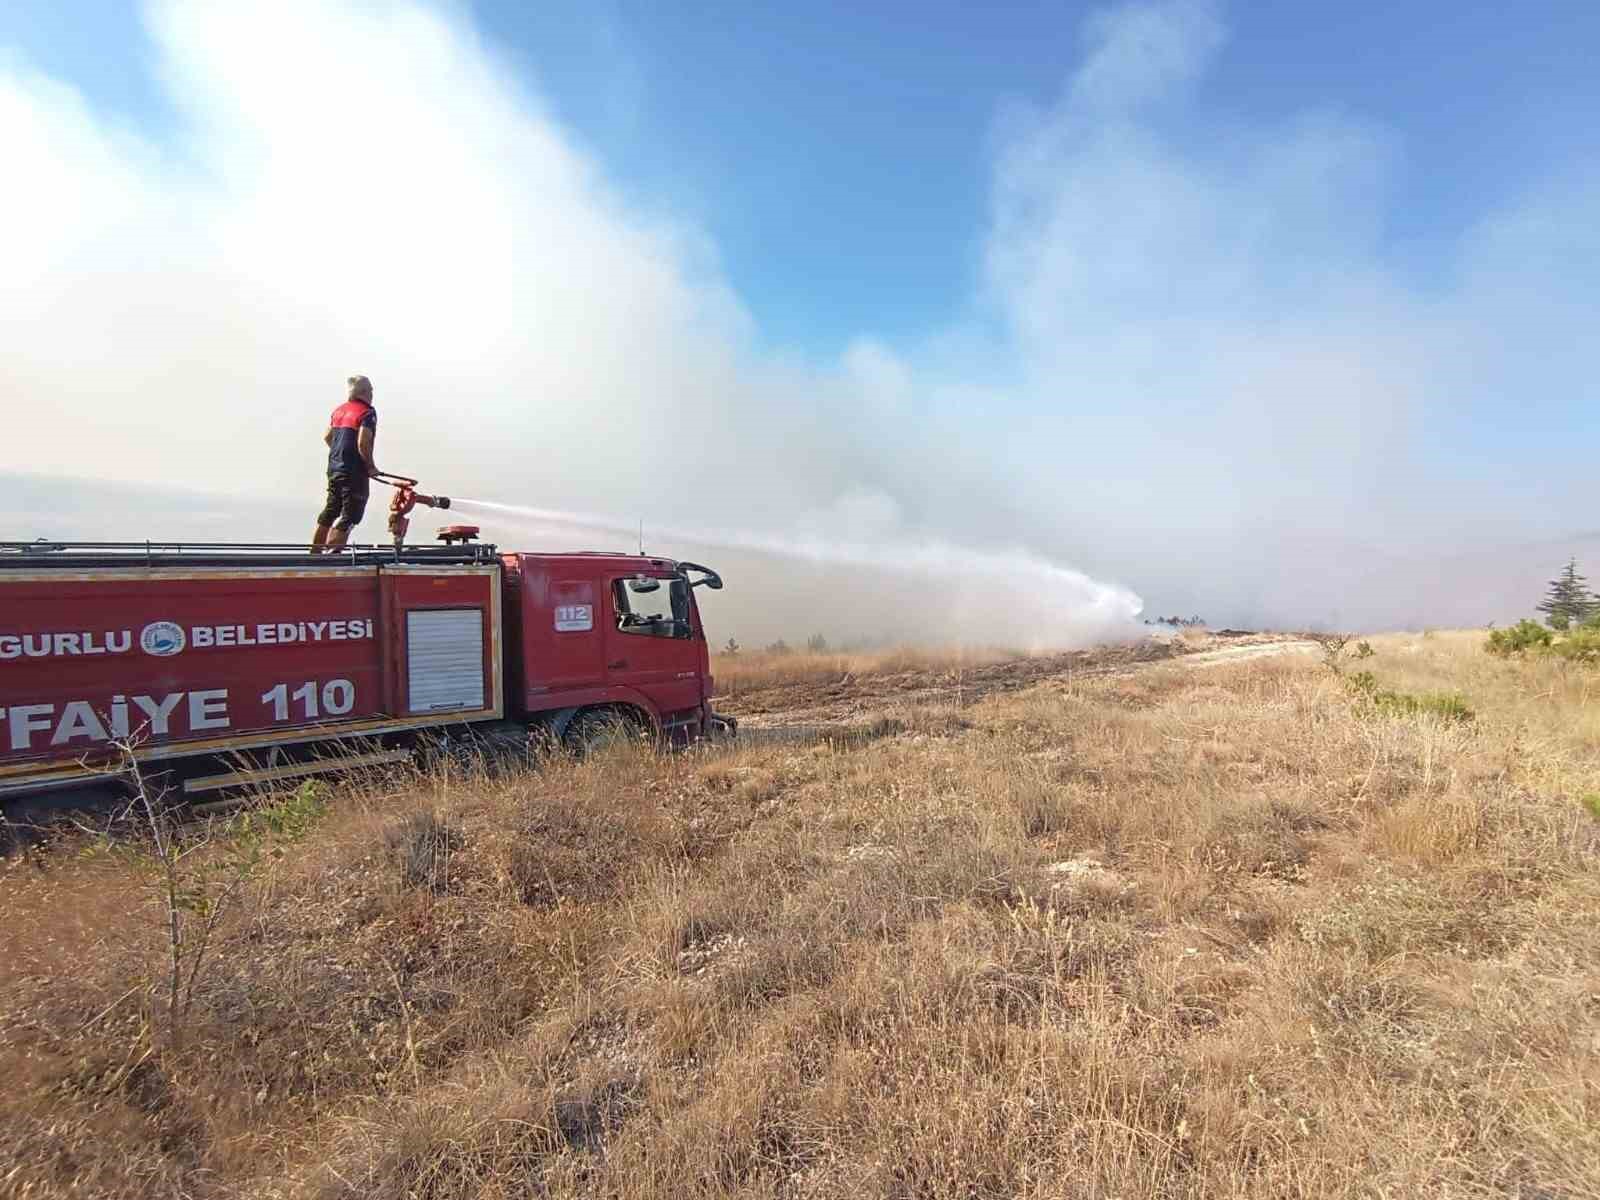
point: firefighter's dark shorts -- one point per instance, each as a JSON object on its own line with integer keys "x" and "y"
{"x": 347, "y": 501}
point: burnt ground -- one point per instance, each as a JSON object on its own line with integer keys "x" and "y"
{"x": 855, "y": 698}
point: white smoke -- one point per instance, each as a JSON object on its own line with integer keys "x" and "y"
{"x": 874, "y": 589}
{"x": 1191, "y": 369}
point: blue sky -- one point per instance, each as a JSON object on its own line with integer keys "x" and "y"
{"x": 862, "y": 131}
{"x": 1248, "y": 308}
{"x": 837, "y": 152}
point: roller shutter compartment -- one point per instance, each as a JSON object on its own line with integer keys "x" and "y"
{"x": 444, "y": 659}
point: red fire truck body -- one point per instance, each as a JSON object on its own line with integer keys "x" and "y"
{"x": 226, "y": 666}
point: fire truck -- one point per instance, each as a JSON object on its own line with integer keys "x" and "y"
{"x": 220, "y": 667}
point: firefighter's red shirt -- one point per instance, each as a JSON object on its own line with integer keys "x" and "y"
{"x": 344, "y": 456}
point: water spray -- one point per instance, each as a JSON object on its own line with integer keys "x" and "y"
{"x": 1022, "y": 588}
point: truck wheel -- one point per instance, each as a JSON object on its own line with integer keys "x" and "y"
{"x": 599, "y": 729}
{"x": 504, "y": 747}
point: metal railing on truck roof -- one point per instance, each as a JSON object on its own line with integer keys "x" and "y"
{"x": 50, "y": 555}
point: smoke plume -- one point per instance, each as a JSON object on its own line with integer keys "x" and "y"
{"x": 1190, "y": 369}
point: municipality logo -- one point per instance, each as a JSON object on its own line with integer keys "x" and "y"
{"x": 162, "y": 639}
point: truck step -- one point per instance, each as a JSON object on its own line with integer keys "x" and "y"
{"x": 343, "y": 762}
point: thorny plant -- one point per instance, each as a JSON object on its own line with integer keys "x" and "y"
{"x": 197, "y": 870}
{"x": 1333, "y": 648}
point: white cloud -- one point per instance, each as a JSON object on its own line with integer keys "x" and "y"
{"x": 1259, "y": 403}
{"x": 1143, "y": 52}
{"x": 363, "y": 187}
{"x": 1199, "y": 371}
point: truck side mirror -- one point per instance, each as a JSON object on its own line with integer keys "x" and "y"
{"x": 708, "y": 577}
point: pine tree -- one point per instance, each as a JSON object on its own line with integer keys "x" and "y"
{"x": 1569, "y": 600}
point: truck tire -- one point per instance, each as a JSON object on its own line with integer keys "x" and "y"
{"x": 492, "y": 749}
{"x": 504, "y": 747}
{"x": 595, "y": 730}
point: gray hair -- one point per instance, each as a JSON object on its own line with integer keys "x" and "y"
{"x": 360, "y": 388}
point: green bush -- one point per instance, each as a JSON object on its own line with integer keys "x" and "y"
{"x": 1581, "y": 645}
{"x": 1591, "y": 801}
{"x": 1451, "y": 706}
{"x": 1524, "y": 635}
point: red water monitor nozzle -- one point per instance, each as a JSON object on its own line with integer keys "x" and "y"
{"x": 406, "y": 497}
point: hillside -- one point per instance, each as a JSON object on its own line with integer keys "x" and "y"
{"x": 1128, "y": 925}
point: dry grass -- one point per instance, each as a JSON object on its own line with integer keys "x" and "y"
{"x": 749, "y": 670}
{"x": 1180, "y": 933}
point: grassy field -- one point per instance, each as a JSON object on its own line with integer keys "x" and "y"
{"x": 755, "y": 670}
{"x": 1233, "y": 930}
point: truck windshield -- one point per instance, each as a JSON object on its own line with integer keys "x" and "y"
{"x": 653, "y": 606}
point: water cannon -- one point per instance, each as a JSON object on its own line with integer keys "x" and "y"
{"x": 406, "y": 497}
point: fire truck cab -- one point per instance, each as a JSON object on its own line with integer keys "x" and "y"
{"x": 224, "y": 666}
{"x": 620, "y": 632}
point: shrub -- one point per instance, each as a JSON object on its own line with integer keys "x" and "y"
{"x": 1581, "y": 645}
{"x": 1451, "y": 706}
{"x": 1524, "y": 635}
{"x": 421, "y": 846}
{"x": 196, "y": 871}
{"x": 1591, "y": 801}
{"x": 1333, "y": 647}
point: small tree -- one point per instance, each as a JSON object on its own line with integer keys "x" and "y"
{"x": 1569, "y": 599}
{"x": 816, "y": 644}
{"x": 197, "y": 870}
{"x": 1333, "y": 647}
{"x": 731, "y": 648}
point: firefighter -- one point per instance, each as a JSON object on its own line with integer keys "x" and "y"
{"x": 352, "y": 430}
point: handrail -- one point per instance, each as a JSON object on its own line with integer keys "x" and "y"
{"x": 50, "y": 555}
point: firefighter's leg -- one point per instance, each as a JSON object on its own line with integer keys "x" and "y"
{"x": 332, "y": 507}
{"x": 350, "y": 514}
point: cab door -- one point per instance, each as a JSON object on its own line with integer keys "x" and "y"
{"x": 652, "y": 640}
